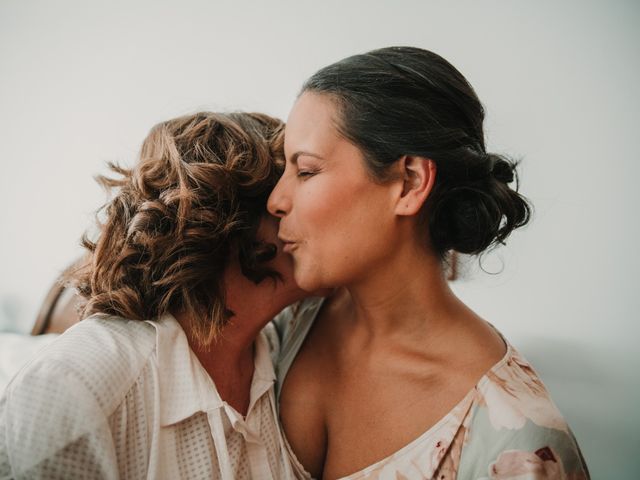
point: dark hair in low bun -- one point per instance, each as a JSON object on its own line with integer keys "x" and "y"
{"x": 470, "y": 216}
{"x": 407, "y": 101}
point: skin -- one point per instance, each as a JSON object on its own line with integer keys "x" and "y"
{"x": 393, "y": 349}
{"x": 230, "y": 360}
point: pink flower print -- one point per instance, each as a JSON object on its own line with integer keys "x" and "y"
{"x": 514, "y": 393}
{"x": 516, "y": 464}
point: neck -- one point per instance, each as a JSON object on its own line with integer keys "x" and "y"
{"x": 229, "y": 359}
{"x": 407, "y": 297}
{"x": 230, "y": 350}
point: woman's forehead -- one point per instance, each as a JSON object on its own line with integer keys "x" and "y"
{"x": 311, "y": 123}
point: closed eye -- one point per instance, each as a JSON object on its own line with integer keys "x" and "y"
{"x": 305, "y": 173}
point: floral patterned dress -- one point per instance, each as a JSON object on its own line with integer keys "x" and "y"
{"x": 506, "y": 427}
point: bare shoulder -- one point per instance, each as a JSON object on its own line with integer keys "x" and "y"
{"x": 472, "y": 346}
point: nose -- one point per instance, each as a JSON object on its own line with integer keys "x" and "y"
{"x": 279, "y": 202}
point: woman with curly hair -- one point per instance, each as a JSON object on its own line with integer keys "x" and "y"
{"x": 170, "y": 376}
{"x": 393, "y": 376}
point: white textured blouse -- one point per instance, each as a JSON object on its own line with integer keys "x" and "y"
{"x": 113, "y": 398}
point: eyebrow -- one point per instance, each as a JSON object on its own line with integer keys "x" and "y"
{"x": 294, "y": 157}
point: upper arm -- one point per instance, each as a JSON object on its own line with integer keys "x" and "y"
{"x": 51, "y": 422}
{"x": 529, "y": 452}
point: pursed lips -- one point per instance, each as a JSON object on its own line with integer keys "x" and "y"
{"x": 288, "y": 245}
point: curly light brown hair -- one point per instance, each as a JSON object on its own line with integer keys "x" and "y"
{"x": 192, "y": 202}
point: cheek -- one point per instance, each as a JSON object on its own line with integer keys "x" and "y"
{"x": 313, "y": 218}
{"x": 343, "y": 241}
{"x": 343, "y": 223}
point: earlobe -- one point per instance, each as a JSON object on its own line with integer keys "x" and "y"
{"x": 419, "y": 176}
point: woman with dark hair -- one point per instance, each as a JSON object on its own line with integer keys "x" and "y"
{"x": 171, "y": 374}
{"x": 392, "y": 376}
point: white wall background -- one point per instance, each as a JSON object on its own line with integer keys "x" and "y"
{"x": 81, "y": 82}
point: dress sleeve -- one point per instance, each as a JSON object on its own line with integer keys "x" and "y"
{"x": 515, "y": 431}
{"x": 292, "y": 326}
{"x": 52, "y": 426}
{"x": 529, "y": 453}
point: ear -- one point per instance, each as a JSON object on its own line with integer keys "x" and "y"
{"x": 418, "y": 176}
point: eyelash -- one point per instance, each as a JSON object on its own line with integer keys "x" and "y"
{"x": 305, "y": 174}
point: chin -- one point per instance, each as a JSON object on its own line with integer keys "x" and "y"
{"x": 307, "y": 283}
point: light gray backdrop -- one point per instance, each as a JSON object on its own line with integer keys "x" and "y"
{"x": 81, "y": 82}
